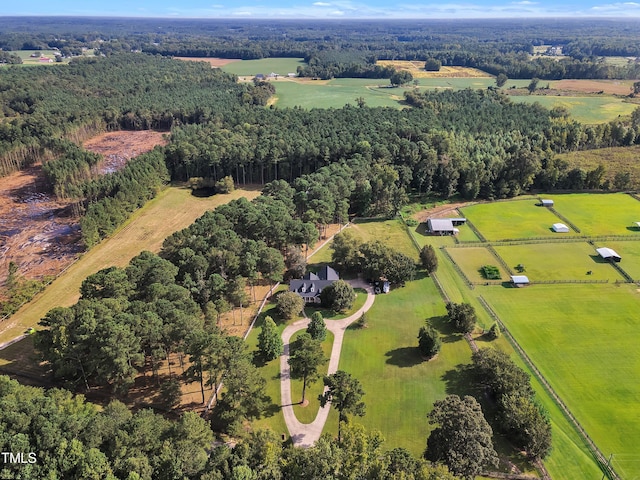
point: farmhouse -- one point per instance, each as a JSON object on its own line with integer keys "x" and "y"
{"x": 444, "y": 226}
{"x": 310, "y": 286}
{"x": 519, "y": 280}
{"x": 560, "y": 228}
{"x": 608, "y": 254}
{"x": 546, "y": 203}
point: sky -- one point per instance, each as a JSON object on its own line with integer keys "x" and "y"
{"x": 323, "y": 9}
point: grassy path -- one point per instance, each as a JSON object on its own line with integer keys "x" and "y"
{"x": 173, "y": 209}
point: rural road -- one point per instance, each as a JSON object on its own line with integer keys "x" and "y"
{"x": 305, "y": 435}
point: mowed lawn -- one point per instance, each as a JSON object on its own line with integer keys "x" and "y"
{"x": 472, "y": 259}
{"x": 587, "y": 109}
{"x": 399, "y": 386}
{"x": 559, "y": 261}
{"x": 584, "y": 339}
{"x": 517, "y": 219}
{"x": 173, "y": 209}
{"x": 600, "y": 214}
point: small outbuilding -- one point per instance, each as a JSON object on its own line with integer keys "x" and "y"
{"x": 560, "y": 228}
{"x": 637, "y": 224}
{"x": 546, "y": 203}
{"x": 519, "y": 280}
{"x": 441, "y": 226}
{"x": 608, "y": 254}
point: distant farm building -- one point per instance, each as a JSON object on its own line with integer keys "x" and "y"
{"x": 608, "y": 254}
{"x": 519, "y": 280}
{"x": 637, "y": 224}
{"x": 560, "y": 228}
{"x": 292, "y": 75}
{"x": 546, "y": 203}
{"x": 311, "y": 285}
{"x": 444, "y": 226}
{"x": 259, "y": 76}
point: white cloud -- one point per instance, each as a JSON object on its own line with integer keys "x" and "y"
{"x": 524, "y": 2}
{"x": 321, "y": 4}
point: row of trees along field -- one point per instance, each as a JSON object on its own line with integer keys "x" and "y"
{"x": 73, "y": 439}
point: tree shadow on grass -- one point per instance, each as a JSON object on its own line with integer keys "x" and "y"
{"x": 404, "y": 357}
{"x": 460, "y": 381}
{"x": 441, "y": 324}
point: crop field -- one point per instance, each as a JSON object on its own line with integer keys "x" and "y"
{"x": 513, "y": 220}
{"x": 472, "y": 259}
{"x": 611, "y": 87}
{"x": 584, "y": 338}
{"x": 417, "y": 70}
{"x": 399, "y": 386}
{"x": 559, "y": 261}
{"x": 587, "y": 109}
{"x": 251, "y": 68}
{"x": 612, "y": 214}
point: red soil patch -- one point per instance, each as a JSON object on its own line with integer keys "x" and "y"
{"x": 37, "y": 231}
{"x": 118, "y": 148}
{"x": 213, "y": 61}
{"x": 613, "y": 87}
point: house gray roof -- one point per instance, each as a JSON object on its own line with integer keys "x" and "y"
{"x": 312, "y": 284}
{"x": 440, "y": 224}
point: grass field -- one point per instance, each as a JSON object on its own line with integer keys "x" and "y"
{"x": 281, "y": 66}
{"x": 416, "y": 68}
{"x": 390, "y": 232}
{"x": 587, "y": 109}
{"x": 612, "y": 214}
{"x": 400, "y": 387}
{"x": 472, "y": 259}
{"x": 587, "y": 350}
{"x": 614, "y": 160}
{"x": 559, "y": 261}
{"x": 630, "y": 253}
{"x": 178, "y": 209}
{"x": 512, "y": 220}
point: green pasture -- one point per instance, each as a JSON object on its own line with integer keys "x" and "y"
{"x": 390, "y": 232}
{"x": 559, "y": 261}
{"x": 472, "y": 259}
{"x": 281, "y": 66}
{"x": 399, "y": 386}
{"x": 630, "y": 253}
{"x": 336, "y": 93}
{"x": 587, "y": 109}
{"x": 583, "y": 338}
{"x": 617, "y": 61}
{"x": 600, "y": 214}
{"x": 516, "y": 219}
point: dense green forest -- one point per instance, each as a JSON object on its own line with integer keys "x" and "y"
{"x": 352, "y": 46}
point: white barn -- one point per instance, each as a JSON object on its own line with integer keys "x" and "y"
{"x": 608, "y": 254}
{"x": 560, "y": 228}
{"x": 519, "y": 280}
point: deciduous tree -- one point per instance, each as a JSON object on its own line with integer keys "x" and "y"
{"x": 306, "y": 358}
{"x": 344, "y": 392}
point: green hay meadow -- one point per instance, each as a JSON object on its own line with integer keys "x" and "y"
{"x": 584, "y": 338}
{"x": 281, "y": 66}
{"x": 518, "y": 219}
{"x": 587, "y": 109}
{"x": 559, "y": 261}
{"x": 390, "y": 232}
{"x": 605, "y": 214}
{"x": 614, "y": 160}
{"x": 472, "y": 259}
{"x": 399, "y": 386}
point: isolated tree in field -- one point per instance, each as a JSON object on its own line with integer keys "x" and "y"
{"x": 462, "y": 438}
{"x": 401, "y": 77}
{"x": 501, "y": 79}
{"x": 429, "y": 341}
{"x": 269, "y": 340}
{"x": 317, "y": 328}
{"x": 494, "y": 332}
{"x": 462, "y": 317}
{"x": 429, "y": 259}
{"x": 306, "y": 358}
{"x": 533, "y": 85}
{"x": 345, "y": 394}
{"x": 339, "y": 296}
{"x": 432, "y": 65}
{"x": 289, "y": 304}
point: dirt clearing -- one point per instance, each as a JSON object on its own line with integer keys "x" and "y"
{"x": 118, "y": 148}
